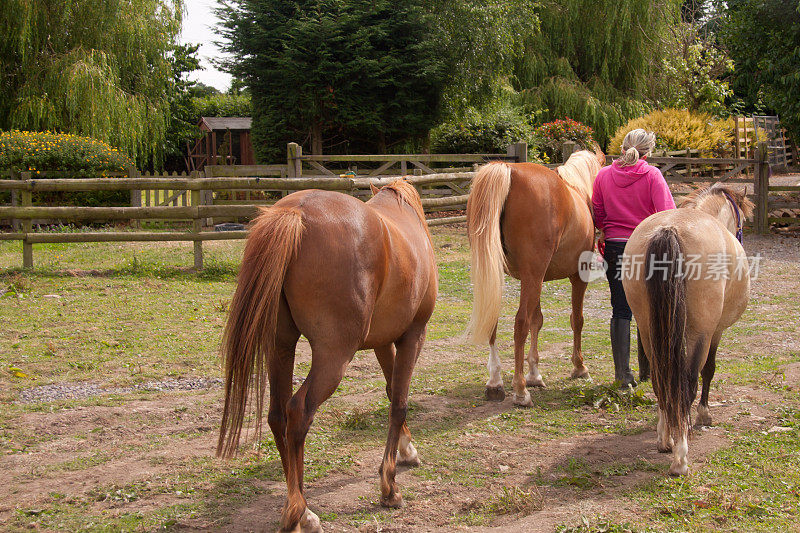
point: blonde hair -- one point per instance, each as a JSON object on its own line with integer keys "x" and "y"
{"x": 637, "y": 143}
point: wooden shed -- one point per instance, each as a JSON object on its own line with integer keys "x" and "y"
{"x": 225, "y": 141}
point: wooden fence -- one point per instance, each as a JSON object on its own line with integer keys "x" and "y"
{"x": 196, "y": 211}
{"x": 439, "y": 191}
{"x": 745, "y": 141}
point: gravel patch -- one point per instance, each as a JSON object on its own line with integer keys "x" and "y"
{"x": 78, "y": 390}
{"x": 85, "y": 389}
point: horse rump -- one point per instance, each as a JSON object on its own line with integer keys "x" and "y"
{"x": 250, "y": 332}
{"x": 666, "y": 290}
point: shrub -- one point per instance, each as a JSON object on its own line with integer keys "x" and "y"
{"x": 679, "y": 129}
{"x": 485, "y": 135}
{"x": 555, "y": 134}
{"x": 43, "y": 151}
{"x": 222, "y": 105}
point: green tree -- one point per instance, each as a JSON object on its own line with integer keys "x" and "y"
{"x": 595, "y": 61}
{"x": 183, "y": 122}
{"x": 480, "y": 40}
{"x": 93, "y": 67}
{"x": 763, "y": 39}
{"x": 361, "y": 73}
{"x": 696, "y": 73}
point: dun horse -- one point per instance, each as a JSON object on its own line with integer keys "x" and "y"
{"x": 686, "y": 278}
{"x": 534, "y": 224}
{"x": 348, "y": 276}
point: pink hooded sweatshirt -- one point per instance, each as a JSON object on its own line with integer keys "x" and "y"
{"x": 624, "y": 196}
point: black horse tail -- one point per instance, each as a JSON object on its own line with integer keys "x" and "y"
{"x": 666, "y": 289}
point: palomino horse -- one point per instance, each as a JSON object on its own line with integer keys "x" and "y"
{"x": 534, "y": 224}
{"x": 686, "y": 278}
{"x": 348, "y": 276}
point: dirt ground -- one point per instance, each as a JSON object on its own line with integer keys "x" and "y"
{"x": 135, "y": 453}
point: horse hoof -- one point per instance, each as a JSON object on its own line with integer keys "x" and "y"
{"x": 703, "y": 416}
{"x": 412, "y": 459}
{"x": 580, "y": 373}
{"x": 395, "y": 501}
{"x": 495, "y": 394}
{"x": 535, "y": 382}
{"x": 663, "y": 449}
{"x": 677, "y": 469}
{"x": 523, "y": 400}
{"x": 309, "y": 523}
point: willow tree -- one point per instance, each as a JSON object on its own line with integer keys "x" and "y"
{"x": 92, "y": 67}
{"x": 595, "y": 61}
{"x": 479, "y": 40}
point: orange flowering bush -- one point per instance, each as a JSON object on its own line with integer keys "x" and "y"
{"x": 41, "y": 151}
{"x": 38, "y": 152}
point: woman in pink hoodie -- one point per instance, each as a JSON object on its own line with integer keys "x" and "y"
{"x": 625, "y": 193}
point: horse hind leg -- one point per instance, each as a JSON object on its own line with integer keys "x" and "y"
{"x": 680, "y": 460}
{"x": 300, "y": 411}
{"x": 534, "y": 377}
{"x": 280, "y": 369}
{"x": 576, "y": 323}
{"x": 703, "y": 416}
{"x": 529, "y": 302}
{"x": 494, "y": 387}
{"x": 408, "y": 348}
{"x": 406, "y": 452}
{"x": 664, "y": 440}
{"x": 699, "y": 356}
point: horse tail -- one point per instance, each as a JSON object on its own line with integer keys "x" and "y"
{"x": 666, "y": 289}
{"x": 249, "y": 336}
{"x": 487, "y": 258}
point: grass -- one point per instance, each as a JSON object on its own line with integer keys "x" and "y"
{"x": 124, "y": 314}
{"x": 752, "y": 485}
{"x": 513, "y": 500}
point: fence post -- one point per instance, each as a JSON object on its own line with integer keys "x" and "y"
{"x": 689, "y": 165}
{"x": 566, "y": 150}
{"x": 26, "y": 197}
{"x": 136, "y": 195}
{"x": 761, "y": 189}
{"x": 197, "y": 227}
{"x": 294, "y": 165}
{"x": 15, "y": 225}
{"x": 519, "y": 150}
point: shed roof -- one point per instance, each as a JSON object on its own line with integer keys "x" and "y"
{"x": 226, "y": 123}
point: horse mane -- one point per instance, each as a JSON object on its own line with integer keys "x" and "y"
{"x": 714, "y": 196}
{"x": 580, "y": 171}
{"x": 407, "y": 193}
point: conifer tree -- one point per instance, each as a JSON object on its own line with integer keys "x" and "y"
{"x": 347, "y": 75}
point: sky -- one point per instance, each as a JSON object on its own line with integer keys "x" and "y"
{"x": 198, "y": 22}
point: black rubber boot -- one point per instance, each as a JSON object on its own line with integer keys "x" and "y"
{"x": 621, "y": 350}
{"x": 644, "y": 364}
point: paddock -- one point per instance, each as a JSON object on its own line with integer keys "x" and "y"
{"x": 110, "y": 401}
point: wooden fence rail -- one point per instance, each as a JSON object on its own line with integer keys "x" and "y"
{"x": 197, "y": 212}
{"x": 200, "y": 210}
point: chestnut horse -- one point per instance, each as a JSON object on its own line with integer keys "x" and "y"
{"x": 533, "y": 223}
{"x": 687, "y": 279}
{"x": 348, "y": 276}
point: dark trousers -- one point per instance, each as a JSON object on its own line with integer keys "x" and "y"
{"x": 613, "y": 256}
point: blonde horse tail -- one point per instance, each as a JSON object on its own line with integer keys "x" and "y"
{"x": 666, "y": 289}
{"x": 487, "y": 258}
{"x": 250, "y": 332}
